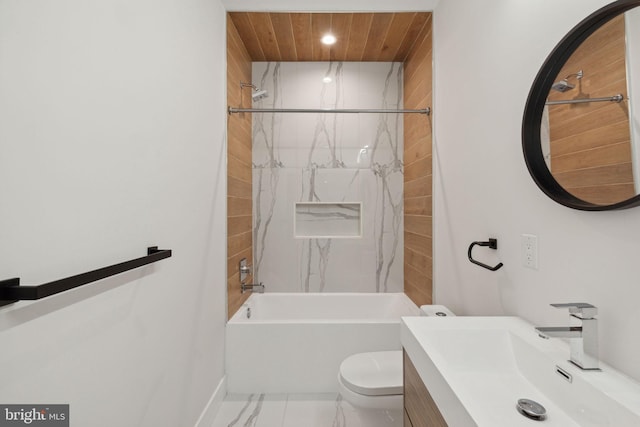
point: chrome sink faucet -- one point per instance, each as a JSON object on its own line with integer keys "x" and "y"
{"x": 583, "y": 339}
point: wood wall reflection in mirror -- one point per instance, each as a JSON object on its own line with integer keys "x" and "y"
{"x": 590, "y": 143}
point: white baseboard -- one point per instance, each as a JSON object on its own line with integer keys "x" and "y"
{"x": 213, "y": 406}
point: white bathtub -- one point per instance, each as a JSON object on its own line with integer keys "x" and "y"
{"x": 295, "y": 342}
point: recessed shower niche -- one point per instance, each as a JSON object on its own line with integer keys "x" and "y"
{"x": 327, "y": 220}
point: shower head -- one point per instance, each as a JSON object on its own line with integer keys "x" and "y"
{"x": 562, "y": 86}
{"x": 259, "y": 94}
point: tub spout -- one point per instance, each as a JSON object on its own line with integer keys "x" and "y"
{"x": 252, "y": 287}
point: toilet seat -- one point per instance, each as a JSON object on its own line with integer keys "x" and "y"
{"x": 373, "y": 374}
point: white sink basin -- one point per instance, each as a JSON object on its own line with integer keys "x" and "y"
{"x": 476, "y": 369}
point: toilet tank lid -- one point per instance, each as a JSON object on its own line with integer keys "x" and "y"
{"x": 435, "y": 310}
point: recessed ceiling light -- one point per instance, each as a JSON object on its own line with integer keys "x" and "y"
{"x": 327, "y": 79}
{"x": 328, "y": 39}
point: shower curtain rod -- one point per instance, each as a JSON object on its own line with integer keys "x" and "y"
{"x": 232, "y": 110}
{"x": 615, "y": 98}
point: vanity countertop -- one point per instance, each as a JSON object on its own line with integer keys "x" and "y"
{"x": 476, "y": 369}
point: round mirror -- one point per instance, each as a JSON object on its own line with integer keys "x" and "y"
{"x": 581, "y": 125}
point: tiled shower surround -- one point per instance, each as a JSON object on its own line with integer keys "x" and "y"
{"x": 350, "y": 160}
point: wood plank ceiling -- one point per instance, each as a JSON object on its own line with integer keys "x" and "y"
{"x": 360, "y": 36}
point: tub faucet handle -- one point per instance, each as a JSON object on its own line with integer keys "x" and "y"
{"x": 581, "y": 310}
{"x": 244, "y": 269}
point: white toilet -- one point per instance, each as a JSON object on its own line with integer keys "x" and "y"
{"x": 374, "y": 380}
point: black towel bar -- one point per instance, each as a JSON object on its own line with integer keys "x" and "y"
{"x": 492, "y": 244}
{"x": 11, "y": 291}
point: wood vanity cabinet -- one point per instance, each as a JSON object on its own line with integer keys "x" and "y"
{"x": 419, "y": 408}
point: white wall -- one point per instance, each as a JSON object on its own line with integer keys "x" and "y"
{"x": 486, "y": 57}
{"x": 112, "y": 139}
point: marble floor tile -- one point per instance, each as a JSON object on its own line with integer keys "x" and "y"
{"x": 316, "y": 411}
{"x": 300, "y": 410}
{"x": 333, "y": 411}
{"x": 255, "y": 410}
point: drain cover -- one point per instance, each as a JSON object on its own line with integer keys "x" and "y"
{"x": 531, "y": 409}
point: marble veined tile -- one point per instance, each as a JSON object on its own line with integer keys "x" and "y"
{"x": 300, "y": 410}
{"x": 333, "y": 411}
{"x": 254, "y": 410}
{"x": 328, "y": 220}
{"x": 333, "y": 159}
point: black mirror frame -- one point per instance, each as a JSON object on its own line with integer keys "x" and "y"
{"x": 532, "y": 118}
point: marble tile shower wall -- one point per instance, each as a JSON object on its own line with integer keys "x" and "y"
{"x": 328, "y": 158}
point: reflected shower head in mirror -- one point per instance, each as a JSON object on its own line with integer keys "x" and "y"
{"x": 257, "y": 94}
{"x": 564, "y": 85}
